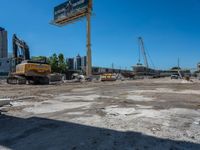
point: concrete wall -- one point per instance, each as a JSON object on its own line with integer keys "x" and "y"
{"x": 198, "y": 66}
{"x": 5, "y": 65}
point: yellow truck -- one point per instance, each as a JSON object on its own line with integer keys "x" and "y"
{"x": 108, "y": 77}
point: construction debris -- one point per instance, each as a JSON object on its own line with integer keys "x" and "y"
{"x": 88, "y": 115}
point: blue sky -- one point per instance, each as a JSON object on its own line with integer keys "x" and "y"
{"x": 170, "y": 29}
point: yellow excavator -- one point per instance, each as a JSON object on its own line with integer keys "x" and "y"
{"x": 25, "y": 70}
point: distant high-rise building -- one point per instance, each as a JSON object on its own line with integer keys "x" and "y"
{"x": 83, "y": 62}
{"x": 3, "y": 43}
{"x": 70, "y": 63}
{"x": 77, "y": 63}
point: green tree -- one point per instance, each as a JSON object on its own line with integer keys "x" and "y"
{"x": 62, "y": 66}
{"x": 39, "y": 58}
{"x": 58, "y": 63}
{"x": 53, "y": 61}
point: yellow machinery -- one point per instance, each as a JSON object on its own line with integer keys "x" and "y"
{"x": 30, "y": 69}
{"x": 108, "y": 77}
{"x": 34, "y": 73}
{"x": 24, "y": 69}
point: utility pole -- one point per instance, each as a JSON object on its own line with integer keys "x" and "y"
{"x": 112, "y": 65}
{"x": 89, "y": 51}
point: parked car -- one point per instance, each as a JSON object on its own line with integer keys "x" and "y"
{"x": 174, "y": 76}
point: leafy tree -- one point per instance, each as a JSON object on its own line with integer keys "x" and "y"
{"x": 58, "y": 63}
{"x": 39, "y": 58}
{"x": 62, "y": 66}
{"x": 53, "y": 61}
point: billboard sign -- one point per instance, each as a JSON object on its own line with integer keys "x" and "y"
{"x": 70, "y": 11}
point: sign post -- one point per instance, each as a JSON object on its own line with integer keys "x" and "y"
{"x": 89, "y": 51}
{"x": 71, "y": 11}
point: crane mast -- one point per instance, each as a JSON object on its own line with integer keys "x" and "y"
{"x": 141, "y": 46}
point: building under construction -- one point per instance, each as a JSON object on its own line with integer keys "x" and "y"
{"x": 5, "y": 62}
{"x": 3, "y": 43}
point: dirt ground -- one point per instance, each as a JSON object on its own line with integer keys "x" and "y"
{"x": 124, "y": 115}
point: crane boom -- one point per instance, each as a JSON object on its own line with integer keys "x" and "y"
{"x": 141, "y": 45}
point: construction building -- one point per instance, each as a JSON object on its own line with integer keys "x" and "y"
{"x": 175, "y": 71}
{"x": 3, "y": 43}
{"x": 5, "y": 62}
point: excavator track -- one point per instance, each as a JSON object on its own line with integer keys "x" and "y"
{"x": 39, "y": 81}
{"x": 16, "y": 80}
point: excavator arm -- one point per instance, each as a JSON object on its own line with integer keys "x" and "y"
{"x": 20, "y": 50}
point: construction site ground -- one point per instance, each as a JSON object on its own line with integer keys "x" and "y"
{"x": 158, "y": 114}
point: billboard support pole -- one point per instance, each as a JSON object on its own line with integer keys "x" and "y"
{"x": 89, "y": 51}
